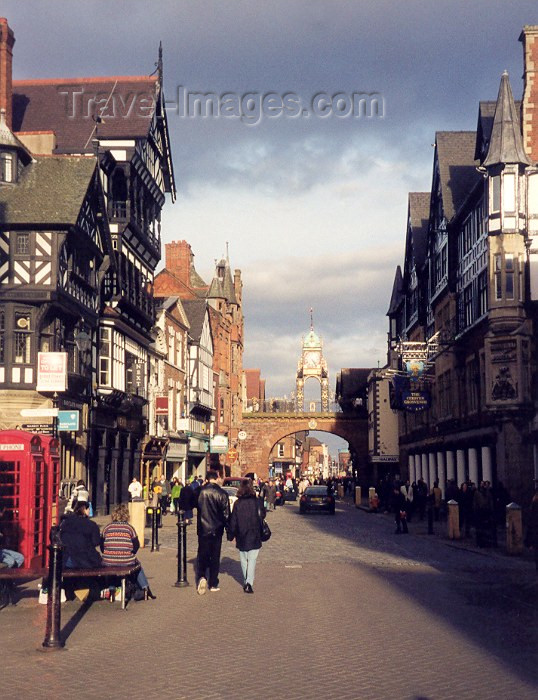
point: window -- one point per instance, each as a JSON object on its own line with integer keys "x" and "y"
{"x": 280, "y": 449}
{"x": 6, "y": 167}
{"x": 130, "y": 373}
{"x": 509, "y": 193}
{"x": 104, "y": 357}
{"x": 170, "y": 347}
{"x": 482, "y": 293}
{"x": 498, "y": 276}
{"x": 509, "y": 270}
{"x": 468, "y": 305}
{"x": 22, "y": 338}
{"x": 119, "y": 194}
{"x": 22, "y": 245}
{"x": 495, "y": 193}
{"x": 471, "y": 385}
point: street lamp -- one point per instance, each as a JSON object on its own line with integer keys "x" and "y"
{"x": 83, "y": 341}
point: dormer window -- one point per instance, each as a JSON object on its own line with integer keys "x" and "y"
{"x": 7, "y": 167}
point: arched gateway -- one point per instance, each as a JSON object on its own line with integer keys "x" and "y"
{"x": 261, "y": 432}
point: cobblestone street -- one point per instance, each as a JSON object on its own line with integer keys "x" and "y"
{"x": 341, "y": 607}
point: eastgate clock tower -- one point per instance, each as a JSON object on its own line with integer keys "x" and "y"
{"x": 312, "y": 364}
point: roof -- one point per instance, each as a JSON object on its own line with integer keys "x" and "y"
{"x": 7, "y": 139}
{"x": 419, "y": 214}
{"x": 505, "y": 143}
{"x": 69, "y": 105}
{"x": 196, "y": 313}
{"x": 397, "y": 294}
{"x": 51, "y": 190}
{"x": 312, "y": 340}
{"x": 457, "y": 167}
{"x": 352, "y": 382}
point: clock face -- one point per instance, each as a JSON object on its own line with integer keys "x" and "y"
{"x": 311, "y": 359}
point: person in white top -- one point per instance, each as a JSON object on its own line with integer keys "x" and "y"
{"x": 135, "y": 489}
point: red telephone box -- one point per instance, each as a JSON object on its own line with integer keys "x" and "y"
{"x": 29, "y": 487}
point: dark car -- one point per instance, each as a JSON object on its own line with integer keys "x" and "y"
{"x": 316, "y": 498}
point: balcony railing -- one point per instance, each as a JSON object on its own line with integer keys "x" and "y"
{"x": 287, "y": 406}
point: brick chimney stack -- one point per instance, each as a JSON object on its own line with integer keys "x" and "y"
{"x": 529, "y": 107}
{"x": 178, "y": 258}
{"x": 7, "y": 39}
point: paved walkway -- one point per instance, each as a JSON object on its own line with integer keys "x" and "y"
{"x": 342, "y": 608}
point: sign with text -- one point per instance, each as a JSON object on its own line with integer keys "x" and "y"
{"x": 51, "y": 371}
{"x": 68, "y": 420}
{"x": 219, "y": 444}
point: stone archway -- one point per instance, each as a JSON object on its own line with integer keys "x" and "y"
{"x": 264, "y": 430}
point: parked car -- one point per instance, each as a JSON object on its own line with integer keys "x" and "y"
{"x": 234, "y": 481}
{"x": 316, "y": 498}
{"x": 232, "y": 494}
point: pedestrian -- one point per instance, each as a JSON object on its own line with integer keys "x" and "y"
{"x": 175, "y": 494}
{"x": 400, "y": 514}
{"x": 120, "y": 543}
{"x": 80, "y": 536}
{"x": 421, "y": 497}
{"x": 79, "y": 494}
{"x": 165, "y": 494}
{"x": 9, "y": 558}
{"x": 135, "y": 489}
{"x": 245, "y": 528}
{"x": 407, "y": 491}
{"x": 187, "y": 502}
{"x": 483, "y": 514}
{"x": 213, "y": 518}
{"x": 437, "y": 496}
{"x": 269, "y": 494}
{"x": 465, "y": 501}
{"x": 531, "y": 537}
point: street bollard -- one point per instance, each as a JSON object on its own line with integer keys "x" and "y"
{"x": 514, "y": 529}
{"x": 154, "y": 529}
{"x": 358, "y": 496}
{"x": 430, "y": 518}
{"x": 181, "y": 551}
{"x": 54, "y": 586}
{"x": 453, "y": 520}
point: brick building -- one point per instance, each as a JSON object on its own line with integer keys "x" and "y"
{"x": 223, "y": 298}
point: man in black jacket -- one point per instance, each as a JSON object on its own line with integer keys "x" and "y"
{"x": 213, "y": 517}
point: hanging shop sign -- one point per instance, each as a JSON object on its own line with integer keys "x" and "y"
{"x": 161, "y": 405}
{"x": 415, "y": 401}
{"x": 414, "y": 369}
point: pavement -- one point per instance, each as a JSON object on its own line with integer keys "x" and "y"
{"x": 342, "y": 608}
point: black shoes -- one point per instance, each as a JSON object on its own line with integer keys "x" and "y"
{"x": 149, "y": 594}
{"x": 248, "y": 588}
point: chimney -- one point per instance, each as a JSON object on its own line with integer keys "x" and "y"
{"x": 529, "y": 107}
{"x": 7, "y": 39}
{"x": 178, "y": 256}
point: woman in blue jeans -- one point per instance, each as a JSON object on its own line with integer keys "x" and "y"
{"x": 245, "y": 528}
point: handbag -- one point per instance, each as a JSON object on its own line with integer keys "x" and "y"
{"x": 265, "y": 530}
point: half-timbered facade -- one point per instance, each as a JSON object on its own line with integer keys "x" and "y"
{"x": 120, "y": 124}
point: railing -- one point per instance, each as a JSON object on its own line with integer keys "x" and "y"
{"x": 288, "y": 406}
{"x": 191, "y": 425}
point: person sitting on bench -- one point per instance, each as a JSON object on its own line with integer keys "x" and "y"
{"x": 80, "y": 536}
{"x": 119, "y": 544}
{"x": 9, "y": 557}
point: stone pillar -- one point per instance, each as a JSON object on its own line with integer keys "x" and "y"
{"x": 460, "y": 466}
{"x": 487, "y": 472}
{"x": 358, "y": 496}
{"x": 137, "y": 518}
{"x": 100, "y": 498}
{"x": 514, "y": 529}
{"x": 411, "y": 463}
{"x": 441, "y": 472}
{"x": 450, "y": 466}
{"x": 113, "y": 481}
{"x": 432, "y": 470}
{"x": 453, "y": 520}
{"x": 473, "y": 465}
{"x": 424, "y": 470}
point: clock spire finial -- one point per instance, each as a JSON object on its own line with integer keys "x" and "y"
{"x": 311, "y": 319}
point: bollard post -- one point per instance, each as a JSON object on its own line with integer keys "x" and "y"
{"x": 181, "y": 551}
{"x": 430, "y": 518}
{"x": 52, "y": 632}
{"x": 514, "y": 529}
{"x": 453, "y": 520}
{"x": 154, "y": 529}
{"x": 358, "y": 496}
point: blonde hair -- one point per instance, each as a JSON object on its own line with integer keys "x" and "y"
{"x": 120, "y": 514}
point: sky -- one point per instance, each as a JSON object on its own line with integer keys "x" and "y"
{"x": 308, "y": 191}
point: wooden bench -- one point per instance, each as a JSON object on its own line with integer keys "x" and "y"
{"x": 9, "y": 576}
{"x": 105, "y": 572}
